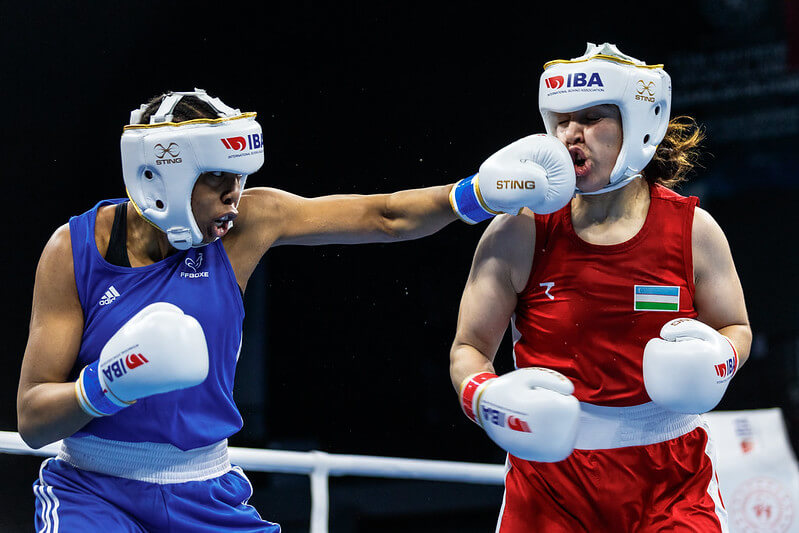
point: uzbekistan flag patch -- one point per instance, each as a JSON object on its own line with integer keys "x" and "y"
{"x": 656, "y": 298}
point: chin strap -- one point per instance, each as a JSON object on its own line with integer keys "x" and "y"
{"x": 610, "y": 186}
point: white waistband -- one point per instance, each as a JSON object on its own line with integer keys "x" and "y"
{"x": 604, "y": 428}
{"x": 146, "y": 461}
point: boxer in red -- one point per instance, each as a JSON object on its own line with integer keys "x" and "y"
{"x": 628, "y": 319}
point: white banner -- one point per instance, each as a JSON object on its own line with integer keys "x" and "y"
{"x": 757, "y": 470}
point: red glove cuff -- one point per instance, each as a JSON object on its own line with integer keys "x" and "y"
{"x": 469, "y": 388}
{"x": 732, "y": 365}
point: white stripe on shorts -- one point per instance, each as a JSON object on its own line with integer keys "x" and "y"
{"x": 240, "y": 472}
{"x": 713, "y": 486}
{"x": 49, "y": 501}
{"x": 508, "y": 466}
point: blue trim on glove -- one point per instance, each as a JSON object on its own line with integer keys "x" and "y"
{"x": 93, "y": 393}
{"x": 466, "y": 203}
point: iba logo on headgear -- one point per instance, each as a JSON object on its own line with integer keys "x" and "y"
{"x": 555, "y": 82}
{"x": 253, "y": 141}
{"x": 235, "y": 143}
{"x": 161, "y": 151}
{"x": 575, "y": 79}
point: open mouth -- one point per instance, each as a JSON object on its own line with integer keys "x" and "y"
{"x": 220, "y": 226}
{"x": 581, "y": 166}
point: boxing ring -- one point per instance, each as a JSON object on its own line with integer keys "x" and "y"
{"x": 319, "y": 466}
{"x": 757, "y": 469}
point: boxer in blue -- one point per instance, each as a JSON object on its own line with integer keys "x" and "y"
{"x": 137, "y": 312}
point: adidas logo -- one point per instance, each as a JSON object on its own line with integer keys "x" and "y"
{"x": 109, "y": 296}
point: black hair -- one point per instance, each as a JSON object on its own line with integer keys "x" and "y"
{"x": 187, "y": 108}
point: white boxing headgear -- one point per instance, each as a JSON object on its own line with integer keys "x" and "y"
{"x": 162, "y": 160}
{"x": 604, "y": 75}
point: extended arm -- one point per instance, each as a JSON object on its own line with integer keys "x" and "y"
{"x": 355, "y": 219}
{"x": 534, "y": 172}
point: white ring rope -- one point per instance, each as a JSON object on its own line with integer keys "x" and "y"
{"x": 320, "y": 466}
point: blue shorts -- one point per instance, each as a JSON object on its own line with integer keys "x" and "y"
{"x": 71, "y": 499}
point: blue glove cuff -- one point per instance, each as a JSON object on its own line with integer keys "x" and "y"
{"x": 466, "y": 202}
{"x": 91, "y": 396}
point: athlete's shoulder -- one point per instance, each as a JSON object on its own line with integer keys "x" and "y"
{"x": 509, "y": 241}
{"x": 60, "y": 241}
{"x": 55, "y": 263}
{"x": 101, "y": 205}
{"x": 263, "y": 204}
{"x": 508, "y": 230}
{"x": 660, "y": 192}
{"x": 705, "y": 229}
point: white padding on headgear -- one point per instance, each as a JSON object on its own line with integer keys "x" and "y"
{"x": 604, "y": 75}
{"x": 161, "y": 161}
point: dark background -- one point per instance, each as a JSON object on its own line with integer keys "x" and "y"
{"x": 346, "y": 347}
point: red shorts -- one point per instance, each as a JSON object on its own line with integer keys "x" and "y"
{"x": 668, "y": 486}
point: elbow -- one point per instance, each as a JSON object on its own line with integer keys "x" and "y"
{"x": 393, "y": 224}
{"x": 458, "y": 366}
{"x": 32, "y": 433}
{"x": 392, "y": 228}
{"x": 36, "y": 437}
{"x": 30, "y": 436}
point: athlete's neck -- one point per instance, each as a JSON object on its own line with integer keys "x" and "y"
{"x": 146, "y": 243}
{"x": 631, "y": 201}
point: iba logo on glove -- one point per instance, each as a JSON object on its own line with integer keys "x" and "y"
{"x": 726, "y": 370}
{"x": 499, "y": 418}
{"x": 120, "y": 366}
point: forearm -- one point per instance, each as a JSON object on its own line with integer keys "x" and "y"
{"x": 48, "y": 412}
{"x": 416, "y": 213}
{"x": 741, "y": 337}
{"x": 466, "y": 360}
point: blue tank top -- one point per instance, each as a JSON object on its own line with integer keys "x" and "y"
{"x": 201, "y": 282}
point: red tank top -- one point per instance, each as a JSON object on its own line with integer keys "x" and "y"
{"x": 588, "y": 310}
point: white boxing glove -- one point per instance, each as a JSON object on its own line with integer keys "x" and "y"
{"x": 688, "y": 370}
{"x": 160, "y": 349}
{"x": 535, "y": 172}
{"x": 530, "y": 412}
